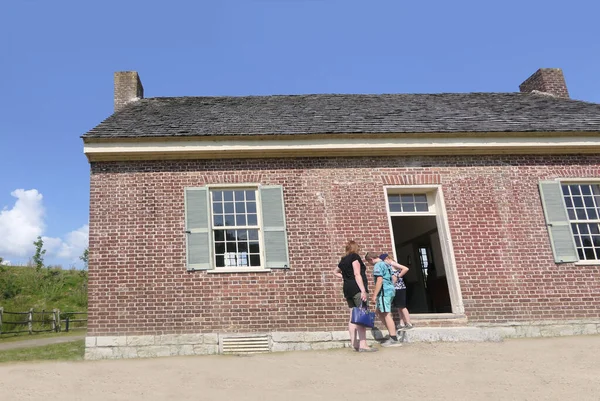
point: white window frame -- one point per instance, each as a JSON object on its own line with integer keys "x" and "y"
{"x": 261, "y": 242}
{"x": 579, "y": 181}
{"x": 435, "y": 200}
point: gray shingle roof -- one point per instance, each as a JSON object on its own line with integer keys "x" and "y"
{"x": 328, "y": 114}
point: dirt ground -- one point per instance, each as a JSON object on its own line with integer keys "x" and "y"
{"x": 565, "y": 368}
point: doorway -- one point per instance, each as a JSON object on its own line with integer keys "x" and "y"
{"x": 417, "y": 246}
{"x": 421, "y": 241}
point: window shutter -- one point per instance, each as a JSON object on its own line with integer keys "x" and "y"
{"x": 274, "y": 231}
{"x": 557, "y": 220}
{"x": 197, "y": 228}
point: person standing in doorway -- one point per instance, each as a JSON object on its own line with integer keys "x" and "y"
{"x": 398, "y": 271}
{"x": 383, "y": 295}
{"x": 354, "y": 273}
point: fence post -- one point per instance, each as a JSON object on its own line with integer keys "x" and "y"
{"x": 30, "y": 321}
{"x": 67, "y": 324}
{"x": 1, "y": 312}
{"x": 58, "y": 320}
{"x": 54, "y": 320}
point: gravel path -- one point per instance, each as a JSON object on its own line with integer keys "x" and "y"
{"x": 566, "y": 368}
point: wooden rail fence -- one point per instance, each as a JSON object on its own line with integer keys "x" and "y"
{"x": 44, "y": 321}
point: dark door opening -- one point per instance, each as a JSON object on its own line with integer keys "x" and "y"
{"x": 418, "y": 247}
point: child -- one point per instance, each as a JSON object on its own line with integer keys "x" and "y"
{"x": 400, "y": 295}
{"x": 383, "y": 295}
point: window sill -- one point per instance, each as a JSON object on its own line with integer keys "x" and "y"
{"x": 238, "y": 270}
{"x": 587, "y": 263}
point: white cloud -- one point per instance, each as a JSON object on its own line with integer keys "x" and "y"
{"x": 5, "y": 263}
{"x": 24, "y": 222}
{"x": 21, "y": 225}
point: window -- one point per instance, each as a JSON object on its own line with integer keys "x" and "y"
{"x": 408, "y": 203}
{"x": 235, "y": 228}
{"x": 583, "y": 208}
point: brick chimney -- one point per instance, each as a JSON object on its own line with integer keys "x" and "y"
{"x": 128, "y": 88}
{"x": 547, "y": 80}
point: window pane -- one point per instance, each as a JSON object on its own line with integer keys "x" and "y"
{"x": 217, "y": 195}
{"x": 571, "y": 214}
{"x": 250, "y": 195}
{"x": 242, "y": 235}
{"x": 574, "y": 228}
{"x": 254, "y": 260}
{"x": 581, "y": 255}
{"x": 577, "y": 201}
{"x": 254, "y": 248}
{"x": 228, "y": 196}
{"x": 242, "y": 247}
{"x": 588, "y": 201}
{"x": 220, "y": 261}
{"x": 394, "y": 198}
{"x": 407, "y": 198}
{"x": 219, "y": 248}
{"x": 228, "y": 207}
{"x": 592, "y": 215}
{"x": 218, "y": 221}
{"x": 251, "y": 207}
{"x": 395, "y": 207}
{"x": 231, "y": 247}
{"x": 217, "y": 208}
{"x": 594, "y": 229}
{"x": 252, "y": 220}
{"x": 239, "y": 195}
{"x": 253, "y": 235}
{"x": 574, "y": 189}
{"x": 408, "y": 207}
{"x": 229, "y": 220}
{"x": 240, "y": 207}
{"x": 568, "y": 202}
{"x": 240, "y": 219}
{"x": 596, "y": 240}
{"x": 421, "y": 198}
{"x": 422, "y": 207}
{"x": 219, "y": 235}
{"x": 585, "y": 189}
{"x": 577, "y": 241}
{"x": 596, "y": 189}
{"x": 581, "y": 214}
{"x": 589, "y": 253}
{"x": 583, "y": 228}
{"x": 587, "y": 241}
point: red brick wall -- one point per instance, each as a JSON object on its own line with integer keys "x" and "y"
{"x": 139, "y": 284}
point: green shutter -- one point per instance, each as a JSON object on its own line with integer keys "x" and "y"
{"x": 274, "y": 232}
{"x": 557, "y": 220}
{"x": 197, "y": 228}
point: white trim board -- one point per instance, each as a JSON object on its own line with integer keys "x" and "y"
{"x": 225, "y": 148}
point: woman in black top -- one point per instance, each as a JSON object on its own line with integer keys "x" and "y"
{"x": 354, "y": 272}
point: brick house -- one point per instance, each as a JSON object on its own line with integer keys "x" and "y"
{"x": 215, "y": 222}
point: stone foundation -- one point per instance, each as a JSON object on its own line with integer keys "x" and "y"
{"x": 116, "y": 347}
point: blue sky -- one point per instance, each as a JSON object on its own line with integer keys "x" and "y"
{"x": 57, "y": 60}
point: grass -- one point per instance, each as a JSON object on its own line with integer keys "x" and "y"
{"x": 25, "y": 287}
{"x": 71, "y": 351}
{"x": 12, "y": 337}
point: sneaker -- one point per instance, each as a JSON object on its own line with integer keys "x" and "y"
{"x": 370, "y": 349}
{"x": 406, "y": 327}
{"x": 390, "y": 342}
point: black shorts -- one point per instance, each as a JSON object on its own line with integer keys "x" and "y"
{"x": 399, "y": 299}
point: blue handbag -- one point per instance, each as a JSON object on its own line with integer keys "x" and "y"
{"x": 362, "y": 316}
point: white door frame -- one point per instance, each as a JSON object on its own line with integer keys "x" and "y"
{"x": 435, "y": 199}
